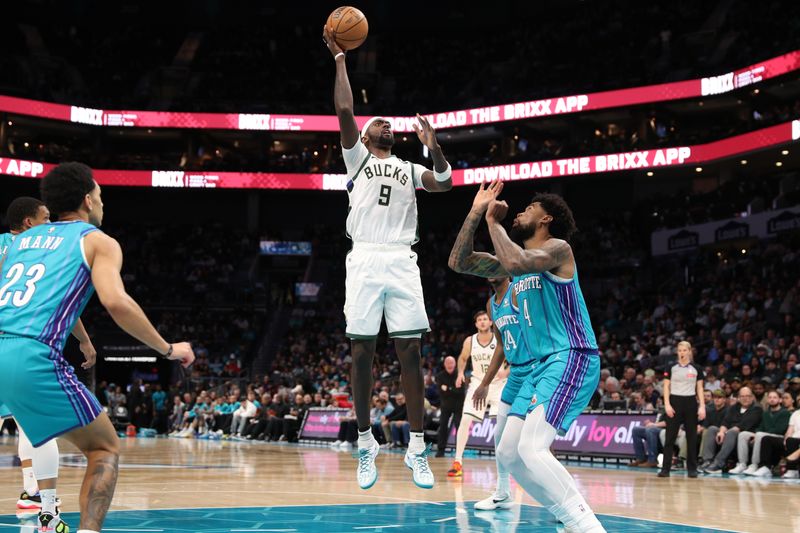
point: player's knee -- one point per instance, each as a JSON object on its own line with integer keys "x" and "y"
{"x": 506, "y": 452}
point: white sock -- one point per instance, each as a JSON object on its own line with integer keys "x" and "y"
{"x": 29, "y": 481}
{"x": 48, "y": 500}
{"x": 462, "y": 436}
{"x": 416, "y": 442}
{"x": 579, "y": 516}
{"x": 365, "y": 439}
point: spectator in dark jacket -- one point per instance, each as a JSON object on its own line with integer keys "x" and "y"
{"x": 397, "y": 422}
{"x": 744, "y": 417}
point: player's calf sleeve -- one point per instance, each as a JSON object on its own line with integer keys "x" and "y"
{"x": 45, "y": 460}
{"x": 554, "y": 482}
{"x": 503, "y": 482}
{"x": 25, "y": 450}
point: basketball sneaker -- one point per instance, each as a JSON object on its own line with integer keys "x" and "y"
{"x": 455, "y": 470}
{"x": 367, "y": 472}
{"x": 494, "y": 502}
{"x": 421, "y": 470}
{"x": 27, "y": 502}
{"x": 49, "y": 523}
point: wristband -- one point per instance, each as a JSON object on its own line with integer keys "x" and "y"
{"x": 169, "y": 352}
{"x": 337, "y": 56}
{"x": 443, "y": 176}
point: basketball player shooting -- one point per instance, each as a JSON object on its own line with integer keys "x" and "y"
{"x": 383, "y": 278}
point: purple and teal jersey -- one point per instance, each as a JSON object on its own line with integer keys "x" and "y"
{"x": 45, "y": 282}
{"x": 553, "y": 314}
{"x": 506, "y": 320}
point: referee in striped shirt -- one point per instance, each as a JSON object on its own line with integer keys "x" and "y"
{"x": 683, "y": 402}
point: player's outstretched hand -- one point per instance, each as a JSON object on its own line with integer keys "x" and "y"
{"x": 182, "y": 351}
{"x": 327, "y": 36}
{"x": 485, "y": 195}
{"x": 496, "y": 211}
{"x": 89, "y": 353}
{"x": 479, "y": 397}
{"x": 425, "y": 132}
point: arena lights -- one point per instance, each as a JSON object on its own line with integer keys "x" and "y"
{"x": 664, "y": 92}
{"x": 647, "y": 160}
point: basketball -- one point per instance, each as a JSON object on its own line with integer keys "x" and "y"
{"x": 349, "y": 27}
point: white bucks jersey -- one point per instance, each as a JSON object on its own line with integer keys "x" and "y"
{"x": 383, "y": 199}
{"x": 481, "y": 356}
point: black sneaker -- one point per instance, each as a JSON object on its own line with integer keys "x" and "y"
{"x": 692, "y": 473}
{"x": 27, "y": 502}
{"x": 663, "y": 473}
{"x": 49, "y": 523}
{"x": 713, "y": 468}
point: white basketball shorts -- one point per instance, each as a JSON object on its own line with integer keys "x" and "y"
{"x": 384, "y": 280}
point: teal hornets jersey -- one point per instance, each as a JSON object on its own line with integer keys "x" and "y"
{"x": 5, "y": 243}
{"x": 553, "y": 314}
{"x": 45, "y": 282}
{"x": 506, "y": 320}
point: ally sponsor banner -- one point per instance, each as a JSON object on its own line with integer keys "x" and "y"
{"x": 601, "y": 434}
{"x": 590, "y": 434}
{"x": 321, "y": 423}
{"x": 761, "y": 225}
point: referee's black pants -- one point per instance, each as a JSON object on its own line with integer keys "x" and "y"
{"x": 450, "y": 408}
{"x": 685, "y": 413}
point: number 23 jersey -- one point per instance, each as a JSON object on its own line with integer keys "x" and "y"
{"x": 383, "y": 200}
{"x": 45, "y": 282}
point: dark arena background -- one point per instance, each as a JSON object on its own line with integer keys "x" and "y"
{"x": 670, "y": 128}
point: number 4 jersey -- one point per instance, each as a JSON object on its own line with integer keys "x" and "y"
{"x": 383, "y": 200}
{"x": 45, "y": 282}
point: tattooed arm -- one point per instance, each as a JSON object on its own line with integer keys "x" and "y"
{"x": 549, "y": 257}
{"x": 463, "y": 258}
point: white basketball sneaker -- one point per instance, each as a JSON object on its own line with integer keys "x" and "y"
{"x": 418, "y": 463}
{"x": 367, "y": 472}
{"x": 494, "y": 502}
{"x": 751, "y": 470}
{"x": 740, "y": 468}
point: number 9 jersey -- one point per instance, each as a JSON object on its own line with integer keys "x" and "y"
{"x": 45, "y": 283}
{"x": 383, "y": 197}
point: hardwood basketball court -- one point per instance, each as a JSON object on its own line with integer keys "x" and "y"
{"x": 224, "y": 486}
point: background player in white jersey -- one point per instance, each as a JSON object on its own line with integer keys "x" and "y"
{"x": 382, "y": 273}
{"x": 479, "y": 350}
{"x": 39, "y": 465}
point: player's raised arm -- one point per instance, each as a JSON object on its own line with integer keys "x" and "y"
{"x": 516, "y": 260}
{"x": 439, "y": 179}
{"x": 105, "y": 258}
{"x": 463, "y": 258}
{"x": 342, "y": 93}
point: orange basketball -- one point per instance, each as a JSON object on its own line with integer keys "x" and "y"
{"x": 349, "y": 27}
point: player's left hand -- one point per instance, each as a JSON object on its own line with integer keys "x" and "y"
{"x": 426, "y": 133}
{"x": 496, "y": 211}
{"x": 89, "y": 353}
{"x": 479, "y": 397}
